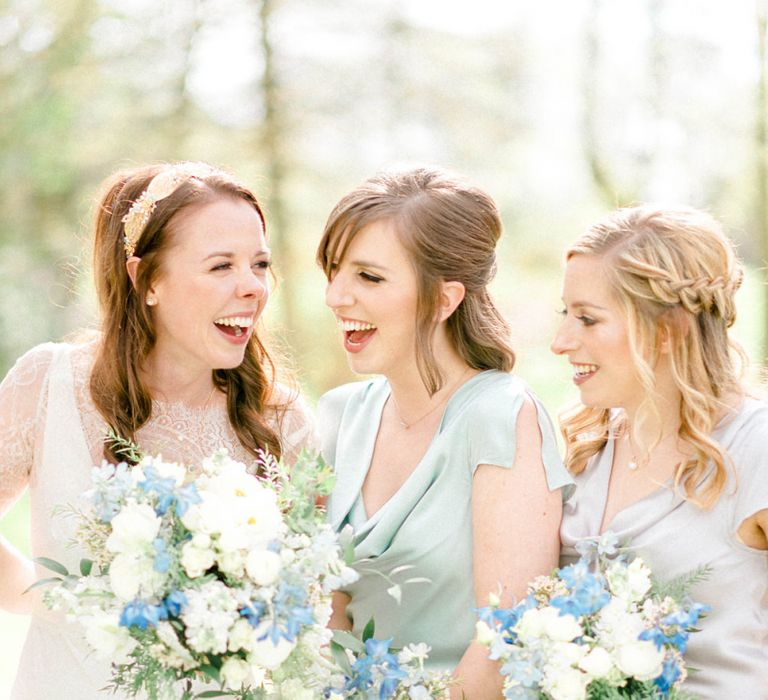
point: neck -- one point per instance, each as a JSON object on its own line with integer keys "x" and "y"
{"x": 171, "y": 382}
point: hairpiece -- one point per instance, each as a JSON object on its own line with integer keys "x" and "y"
{"x": 163, "y": 185}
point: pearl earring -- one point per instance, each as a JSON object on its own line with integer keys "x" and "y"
{"x": 151, "y": 301}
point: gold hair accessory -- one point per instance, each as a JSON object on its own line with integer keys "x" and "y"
{"x": 162, "y": 185}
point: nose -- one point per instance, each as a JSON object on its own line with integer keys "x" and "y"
{"x": 563, "y": 341}
{"x": 337, "y": 293}
{"x": 252, "y": 285}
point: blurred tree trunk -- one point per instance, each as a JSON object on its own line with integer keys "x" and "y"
{"x": 274, "y": 155}
{"x": 761, "y": 158}
{"x": 598, "y": 170}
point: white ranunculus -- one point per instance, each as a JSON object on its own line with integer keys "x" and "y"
{"x": 567, "y": 684}
{"x": 196, "y": 561}
{"x": 108, "y": 639}
{"x": 630, "y": 582}
{"x": 268, "y": 655}
{"x": 548, "y": 622}
{"x": 597, "y": 663}
{"x": 263, "y": 566}
{"x": 640, "y": 659}
{"x": 235, "y": 673}
{"x": 618, "y": 624}
{"x": 131, "y": 574}
{"x": 133, "y": 528}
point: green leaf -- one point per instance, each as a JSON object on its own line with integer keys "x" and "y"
{"x": 341, "y": 658}
{"x": 85, "y": 566}
{"x": 211, "y": 671}
{"x": 348, "y": 641}
{"x": 43, "y": 582}
{"x": 52, "y": 565}
{"x": 369, "y": 629}
{"x": 214, "y": 694}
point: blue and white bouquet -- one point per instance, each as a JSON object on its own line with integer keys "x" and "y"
{"x": 598, "y": 628}
{"x": 372, "y": 669}
{"x": 222, "y": 582}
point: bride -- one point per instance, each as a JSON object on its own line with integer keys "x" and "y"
{"x": 181, "y": 266}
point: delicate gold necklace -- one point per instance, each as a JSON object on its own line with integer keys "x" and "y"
{"x": 446, "y": 396}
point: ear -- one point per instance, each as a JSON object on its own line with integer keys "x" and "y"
{"x": 673, "y": 327}
{"x": 451, "y": 295}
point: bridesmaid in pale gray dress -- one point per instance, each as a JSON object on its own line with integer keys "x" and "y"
{"x": 667, "y": 448}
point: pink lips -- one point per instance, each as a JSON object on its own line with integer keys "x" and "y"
{"x": 353, "y": 346}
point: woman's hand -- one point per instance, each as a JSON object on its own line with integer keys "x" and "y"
{"x": 516, "y": 522}
{"x": 339, "y": 619}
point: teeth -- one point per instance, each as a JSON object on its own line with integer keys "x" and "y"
{"x": 584, "y": 369}
{"x": 241, "y": 321}
{"x": 355, "y": 325}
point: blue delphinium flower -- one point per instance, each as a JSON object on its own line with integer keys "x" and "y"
{"x": 174, "y": 603}
{"x": 291, "y": 613}
{"x": 253, "y": 612}
{"x": 110, "y": 485}
{"x": 139, "y": 614}
{"x": 588, "y": 592}
{"x": 377, "y": 664}
{"x": 168, "y": 495}
{"x": 669, "y": 674}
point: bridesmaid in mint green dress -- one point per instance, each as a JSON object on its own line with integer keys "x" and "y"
{"x": 447, "y": 467}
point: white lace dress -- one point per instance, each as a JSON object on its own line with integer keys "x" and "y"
{"x": 51, "y": 434}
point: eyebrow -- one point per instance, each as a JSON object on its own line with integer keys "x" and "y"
{"x": 367, "y": 263}
{"x": 229, "y": 254}
{"x": 582, "y": 304}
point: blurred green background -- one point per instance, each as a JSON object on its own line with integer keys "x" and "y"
{"x": 561, "y": 109}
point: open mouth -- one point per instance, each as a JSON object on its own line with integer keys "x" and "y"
{"x": 583, "y": 371}
{"x": 234, "y": 326}
{"x": 356, "y": 334}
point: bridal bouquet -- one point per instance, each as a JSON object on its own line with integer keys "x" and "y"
{"x": 225, "y": 580}
{"x": 595, "y": 629}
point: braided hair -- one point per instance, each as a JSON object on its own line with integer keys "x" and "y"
{"x": 675, "y": 274}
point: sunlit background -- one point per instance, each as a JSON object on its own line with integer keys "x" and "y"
{"x": 561, "y": 109}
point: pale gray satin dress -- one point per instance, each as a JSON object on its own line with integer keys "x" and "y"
{"x": 675, "y": 537}
{"x": 427, "y": 523}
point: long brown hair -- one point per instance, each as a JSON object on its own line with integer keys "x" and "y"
{"x": 450, "y": 230}
{"x": 674, "y": 272}
{"x": 128, "y": 329}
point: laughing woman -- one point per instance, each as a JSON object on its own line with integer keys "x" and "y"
{"x": 668, "y": 450}
{"x": 446, "y": 464}
{"x": 182, "y": 273}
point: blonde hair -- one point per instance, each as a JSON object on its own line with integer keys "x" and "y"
{"x": 450, "y": 230}
{"x": 674, "y": 273}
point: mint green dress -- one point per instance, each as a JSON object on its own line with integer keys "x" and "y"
{"x": 424, "y": 532}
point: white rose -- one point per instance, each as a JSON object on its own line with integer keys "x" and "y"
{"x": 567, "y": 684}
{"x": 630, "y": 582}
{"x": 268, "y": 655}
{"x": 263, "y": 566}
{"x": 108, "y": 639}
{"x": 131, "y": 575}
{"x": 235, "y": 673}
{"x": 560, "y": 628}
{"x": 597, "y": 663}
{"x": 133, "y": 528}
{"x": 640, "y": 659}
{"x": 196, "y": 561}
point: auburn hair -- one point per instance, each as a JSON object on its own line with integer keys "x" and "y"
{"x": 128, "y": 329}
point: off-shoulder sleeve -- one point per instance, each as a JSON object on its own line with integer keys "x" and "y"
{"x": 493, "y": 432}
{"x": 750, "y": 460}
{"x": 22, "y": 414}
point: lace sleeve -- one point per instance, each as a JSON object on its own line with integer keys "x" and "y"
{"x": 297, "y": 430}
{"x": 21, "y": 419}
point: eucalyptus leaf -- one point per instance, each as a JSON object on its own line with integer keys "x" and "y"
{"x": 340, "y": 656}
{"x": 52, "y": 565}
{"x": 348, "y": 641}
{"x": 369, "y": 629}
{"x": 43, "y": 582}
